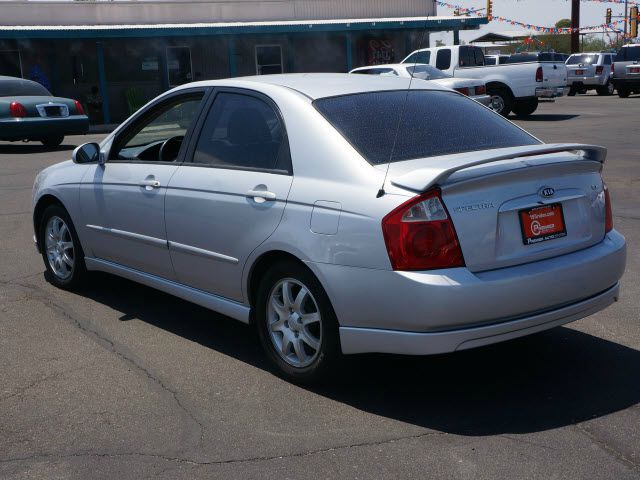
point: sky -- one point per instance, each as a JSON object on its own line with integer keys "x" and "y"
{"x": 544, "y": 13}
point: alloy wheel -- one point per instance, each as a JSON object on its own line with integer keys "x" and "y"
{"x": 497, "y": 103}
{"x": 294, "y": 323}
{"x": 59, "y": 248}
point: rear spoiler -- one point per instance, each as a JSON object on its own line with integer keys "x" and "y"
{"x": 441, "y": 168}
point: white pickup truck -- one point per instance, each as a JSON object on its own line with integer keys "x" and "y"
{"x": 514, "y": 86}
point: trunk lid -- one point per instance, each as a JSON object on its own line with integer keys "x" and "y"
{"x": 487, "y": 196}
{"x": 581, "y": 70}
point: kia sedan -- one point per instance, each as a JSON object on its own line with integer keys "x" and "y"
{"x": 28, "y": 112}
{"x": 339, "y": 214}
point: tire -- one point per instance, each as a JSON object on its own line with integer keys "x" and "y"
{"x": 624, "y": 92}
{"x": 287, "y": 341}
{"x": 606, "y": 90}
{"x": 572, "y": 92}
{"x": 52, "y": 141}
{"x": 62, "y": 255}
{"x": 501, "y": 100}
{"x": 523, "y": 108}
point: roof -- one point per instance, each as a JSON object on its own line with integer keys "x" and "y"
{"x": 215, "y": 28}
{"x": 321, "y": 85}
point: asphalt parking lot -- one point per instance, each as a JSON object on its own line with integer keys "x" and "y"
{"x": 121, "y": 381}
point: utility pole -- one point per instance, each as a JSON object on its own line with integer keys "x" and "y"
{"x": 626, "y": 17}
{"x": 575, "y": 26}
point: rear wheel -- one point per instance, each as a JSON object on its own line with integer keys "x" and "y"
{"x": 52, "y": 141}
{"x": 572, "y": 92}
{"x": 296, "y": 323}
{"x": 501, "y": 100}
{"x": 606, "y": 90}
{"x": 525, "y": 107}
{"x": 623, "y": 92}
{"x": 61, "y": 250}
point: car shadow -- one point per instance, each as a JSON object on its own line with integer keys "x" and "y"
{"x": 541, "y": 382}
{"x": 27, "y": 148}
{"x": 546, "y": 117}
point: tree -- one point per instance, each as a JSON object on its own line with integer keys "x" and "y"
{"x": 564, "y": 23}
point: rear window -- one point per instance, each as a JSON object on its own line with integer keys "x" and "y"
{"x": 628, "y": 54}
{"x": 434, "y": 123}
{"x": 22, "y": 88}
{"x": 377, "y": 71}
{"x": 584, "y": 59}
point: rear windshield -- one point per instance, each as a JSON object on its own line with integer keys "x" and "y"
{"x": 434, "y": 123}
{"x": 584, "y": 59}
{"x": 628, "y": 54}
{"x": 22, "y": 88}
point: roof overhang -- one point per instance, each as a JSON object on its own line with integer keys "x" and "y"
{"x": 235, "y": 28}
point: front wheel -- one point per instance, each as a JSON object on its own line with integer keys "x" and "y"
{"x": 523, "y": 108}
{"x": 61, "y": 250}
{"x": 296, "y": 323}
{"x": 52, "y": 141}
{"x": 624, "y": 92}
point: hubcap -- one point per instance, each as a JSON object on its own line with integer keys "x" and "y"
{"x": 497, "y": 103}
{"x": 294, "y": 323}
{"x": 59, "y": 248}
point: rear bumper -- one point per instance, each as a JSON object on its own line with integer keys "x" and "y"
{"x": 435, "y": 305}
{"x": 587, "y": 81}
{"x": 551, "y": 92}
{"x": 37, "y": 128}
{"x": 483, "y": 99}
{"x": 632, "y": 83}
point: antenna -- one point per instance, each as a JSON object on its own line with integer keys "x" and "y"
{"x": 381, "y": 192}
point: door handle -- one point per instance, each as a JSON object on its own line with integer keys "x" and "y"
{"x": 261, "y": 196}
{"x": 150, "y": 184}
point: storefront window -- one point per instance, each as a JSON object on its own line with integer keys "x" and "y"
{"x": 10, "y": 64}
{"x": 268, "y": 59}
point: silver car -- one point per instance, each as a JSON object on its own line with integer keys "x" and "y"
{"x": 339, "y": 214}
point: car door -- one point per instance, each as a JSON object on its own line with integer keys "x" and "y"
{"x": 229, "y": 196}
{"x": 122, "y": 200}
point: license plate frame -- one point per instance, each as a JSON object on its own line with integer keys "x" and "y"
{"x": 52, "y": 111}
{"x": 547, "y": 224}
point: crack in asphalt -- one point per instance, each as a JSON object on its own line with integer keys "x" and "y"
{"x": 232, "y": 461}
{"x": 86, "y": 327}
{"x": 633, "y": 464}
{"x": 39, "y": 381}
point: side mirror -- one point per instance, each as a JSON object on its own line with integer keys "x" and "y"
{"x": 86, "y": 153}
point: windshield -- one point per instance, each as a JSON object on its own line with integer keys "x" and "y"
{"x": 583, "y": 59}
{"x": 432, "y": 123}
{"x": 22, "y": 88}
{"x": 427, "y": 72}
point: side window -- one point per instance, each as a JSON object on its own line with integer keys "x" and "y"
{"x": 490, "y": 60}
{"x": 607, "y": 59}
{"x": 419, "y": 57}
{"x": 443, "y": 60}
{"x": 157, "y": 136}
{"x": 244, "y": 132}
{"x": 466, "y": 57}
{"x": 479, "y": 57}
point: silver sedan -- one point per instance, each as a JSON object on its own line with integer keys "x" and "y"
{"x": 339, "y": 214}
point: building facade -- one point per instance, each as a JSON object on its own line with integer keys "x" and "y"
{"x": 128, "y": 52}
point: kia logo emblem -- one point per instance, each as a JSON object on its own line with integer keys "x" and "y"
{"x": 546, "y": 192}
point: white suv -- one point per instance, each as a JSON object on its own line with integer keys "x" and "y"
{"x": 590, "y": 71}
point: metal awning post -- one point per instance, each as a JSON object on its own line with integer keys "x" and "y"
{"x": 102, "y": 80}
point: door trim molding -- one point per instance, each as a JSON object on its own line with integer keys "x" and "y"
{"x": 181, "y": 247}
{"x": 230, "y": 308}
{"x": 157, "y": 242}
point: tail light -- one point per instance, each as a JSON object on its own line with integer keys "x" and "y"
{"x": 463, "y": 90}
{"x": 539, "y": 74}
{"x": 608, "y": 211}
{"x": 17, "y": 110}
{"x": 481, "y": 90}
{"x": 599, "y": 70}
{"x": 79, "y": 108}
{"x": 420, "y": 235}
